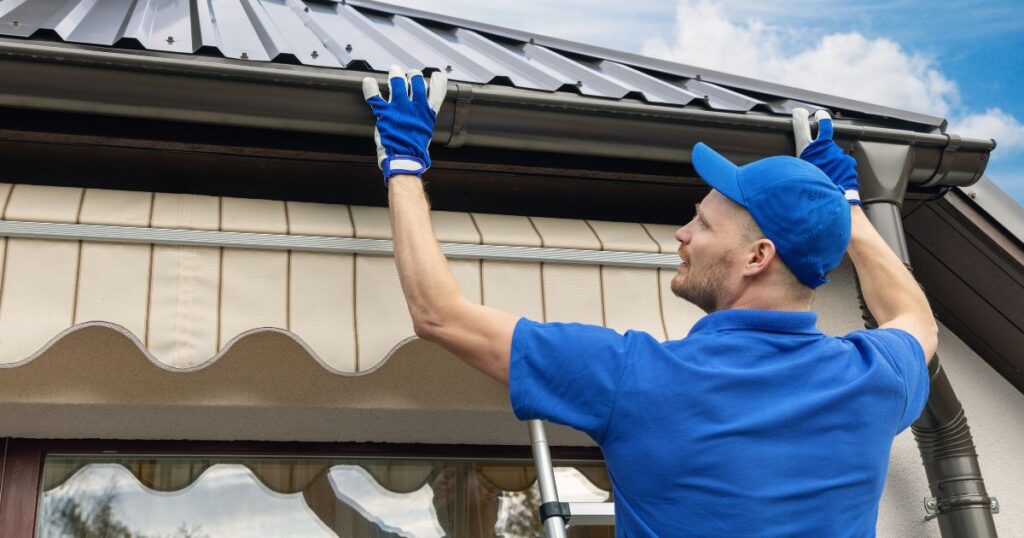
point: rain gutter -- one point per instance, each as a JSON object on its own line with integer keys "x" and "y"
{"x": 167, "y": 86}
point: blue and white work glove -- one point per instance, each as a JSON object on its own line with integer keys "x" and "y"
{"x": 824, "y": 153}
{"x": 405, "y": 122}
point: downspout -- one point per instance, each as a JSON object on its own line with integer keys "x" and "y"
{"x": 959, "y": 499}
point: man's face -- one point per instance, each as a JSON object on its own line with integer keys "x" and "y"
{"x": 709, "y": 246}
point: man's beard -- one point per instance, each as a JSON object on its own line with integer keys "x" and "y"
{"x": 702, "y": 288}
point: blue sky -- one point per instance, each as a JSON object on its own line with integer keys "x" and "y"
{"x": 963, "y": 61}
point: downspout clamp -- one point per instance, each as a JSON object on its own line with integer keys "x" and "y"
{"x": 959, "y": 499}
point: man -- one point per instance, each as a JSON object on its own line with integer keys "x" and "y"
{"x": 756, "y": 423}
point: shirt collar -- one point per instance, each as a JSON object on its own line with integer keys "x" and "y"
{"x": 773, "y": 321}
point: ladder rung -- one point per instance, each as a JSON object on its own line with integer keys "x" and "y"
{"x": 591, "y": 513}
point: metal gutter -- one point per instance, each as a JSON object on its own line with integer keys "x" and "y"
{"x": 213, "y": 90}
{"x": 309, "y": 243}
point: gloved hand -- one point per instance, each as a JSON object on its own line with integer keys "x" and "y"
{"x": 405, "y": 122}
{"x": 824, "y": 153}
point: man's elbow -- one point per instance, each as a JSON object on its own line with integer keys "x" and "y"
{"x": 427, "y": 325}
{"x": 430, "y": 322}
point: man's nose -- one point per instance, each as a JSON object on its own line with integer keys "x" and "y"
{"x": 683, "y": 235}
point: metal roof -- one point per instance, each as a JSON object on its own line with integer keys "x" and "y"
{"x": 367, "y": 35}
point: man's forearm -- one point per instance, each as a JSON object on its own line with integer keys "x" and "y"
{"x": 427, "y": 282}
{"x": 889, "y": 289}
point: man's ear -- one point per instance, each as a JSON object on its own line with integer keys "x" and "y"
{"x": 760, "y": 255}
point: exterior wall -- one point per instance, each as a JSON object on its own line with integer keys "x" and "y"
{"x": 995, "y": 412}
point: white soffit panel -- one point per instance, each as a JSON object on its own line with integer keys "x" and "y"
{"x": 188, "y": 302}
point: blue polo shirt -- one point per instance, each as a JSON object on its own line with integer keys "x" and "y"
{"x": 755, "y": 424}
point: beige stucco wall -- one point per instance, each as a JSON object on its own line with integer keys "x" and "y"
{"x": 995, "y": 412}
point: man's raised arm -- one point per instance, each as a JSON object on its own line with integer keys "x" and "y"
{"x": 892, "y": 294}
{"x": 480, "y": 336}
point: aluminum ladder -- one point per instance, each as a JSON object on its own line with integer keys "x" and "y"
{"x": 556, "y": 515}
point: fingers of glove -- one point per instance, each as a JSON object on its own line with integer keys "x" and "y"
{"x": 370, "y": 88}
{"x": 417, "y": 86}
{"x": 371, "y": 92}
{"x": 438, "y": 89}
{"x": 824, "y": 125}
{"x": 801, "y": 130}
{"x": 399, "y": 84}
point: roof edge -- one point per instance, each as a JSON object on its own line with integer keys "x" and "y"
{"x": 988, "y": 197}
{"x": 664, "y": 66}
{"x": 205, "y": 90}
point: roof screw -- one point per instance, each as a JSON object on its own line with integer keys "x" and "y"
{"x": 245, "y": 56}
{"x": 972, "y": 194}
{"x": 315, "y": 54}
{"x": 447, "y": 69}
{"x": 170, "y": 40}
{"x": 306, "y": 9}
{"x": 706, "y": 98}
{"x": 697, "y": 77}
{"x": 579, "y": 83}
{"x": 16, "y": 23}
{"x": 531, "y": 41}
{"x": 348, "y": 47}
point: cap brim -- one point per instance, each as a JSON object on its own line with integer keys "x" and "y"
{"x": 719, "y": 172}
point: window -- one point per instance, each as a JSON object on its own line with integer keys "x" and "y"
{"x": 196, "y": 496}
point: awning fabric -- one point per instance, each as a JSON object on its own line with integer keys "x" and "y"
{"x": 306, "y": 324}
{"x": 186, "y": 304}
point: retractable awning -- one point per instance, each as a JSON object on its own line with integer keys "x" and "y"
{"x": 181, "y": 315}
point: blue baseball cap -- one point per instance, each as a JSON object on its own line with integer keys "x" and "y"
{"x": 796, "y": 205}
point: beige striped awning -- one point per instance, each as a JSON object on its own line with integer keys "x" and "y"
{"x": 244, "y": 304}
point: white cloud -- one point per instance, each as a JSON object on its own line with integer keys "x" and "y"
{"x": 876, "y": 70}
{"x": 993, "y": 123}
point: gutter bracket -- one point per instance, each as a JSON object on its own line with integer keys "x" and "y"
{"x": 945, "y": 162}
{"x": 463, "y": 98}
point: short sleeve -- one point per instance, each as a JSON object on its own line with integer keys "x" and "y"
{"x": 567, "y": 373}
{"x": 907, "y": 358}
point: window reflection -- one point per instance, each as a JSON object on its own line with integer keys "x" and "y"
{"x": 406, "y": 514}
{"x": 194, "y": 497}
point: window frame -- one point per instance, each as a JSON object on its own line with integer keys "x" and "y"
{"x": 21, "y": 470}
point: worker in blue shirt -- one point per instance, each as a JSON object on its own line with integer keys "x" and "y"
{"x": 756, "y": 423}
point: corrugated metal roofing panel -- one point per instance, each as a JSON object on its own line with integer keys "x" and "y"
{"x": 501, "y": 59}
{"x": 654, "y": 89}
{"x": 335, "y": 34}
{"x": 164, "y": 25}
